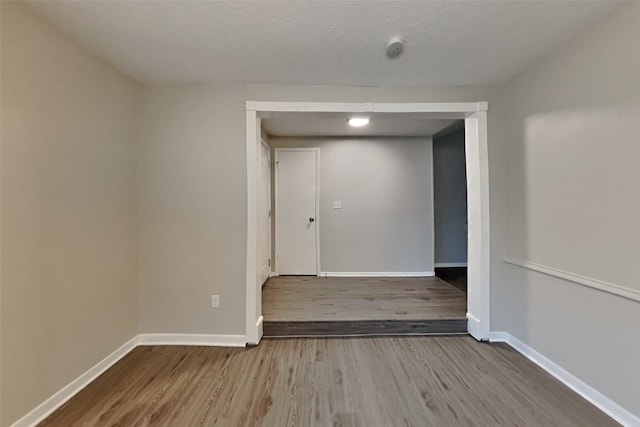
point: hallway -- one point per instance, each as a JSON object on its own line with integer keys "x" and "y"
{"x": 311, "y": 298}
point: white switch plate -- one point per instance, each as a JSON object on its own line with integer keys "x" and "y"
{"x": 337, "y": 204}
{"x": 215, "y": 301}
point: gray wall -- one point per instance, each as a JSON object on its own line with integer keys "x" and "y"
{"x": 573, "y": 127}
{"x": 69, "y": 267}
{"x": 450, "y": 198}
{"x": 192, "y": 195}
{"x": 567, "y": 129}
{"x": 385, "y": 186}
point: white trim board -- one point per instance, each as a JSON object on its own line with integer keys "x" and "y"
{"x": 432, "y": 203}
{"x": 260, "y": 329}
{"x": 377, "y": 274}
{"x": 193, "y": 339}
{"x": 592, "y": 395}
{"x": 59, "y": 398}
{"x": 43, "y": 410}
{"x": 477, "y": 167}
{"x": 473, "y": 325}
{"x": 463, "y": 108}
{"x": 449, "y": 264}
{"x": 479, "y": 234}
{"x": 269, "y": 213}
{"x": 253, "y": 305}
{"x": 589, "y": 282}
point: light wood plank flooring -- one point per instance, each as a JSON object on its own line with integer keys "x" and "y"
{"x": 297, "y": 298}
{"x": 426, "y": 381}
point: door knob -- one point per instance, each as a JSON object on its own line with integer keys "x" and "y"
{"x": 311, "y": 219}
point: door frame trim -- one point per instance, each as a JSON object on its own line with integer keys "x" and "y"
{"x": 278, "y": 150}
{"x": 477, "y": 164}
{"x": 266, "y": 145}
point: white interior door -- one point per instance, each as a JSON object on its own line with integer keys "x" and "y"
{"x": 296, "y": 215}
{"x": 264, "y": 215}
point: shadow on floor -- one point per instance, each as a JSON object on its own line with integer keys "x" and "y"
{"x": 455, "y": 276}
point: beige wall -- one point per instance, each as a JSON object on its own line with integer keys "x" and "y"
{"x": 572, "y": 146}
{"x": 68, "y": 211}
{"x": 192, "y": 195}
{"x": 385, "y": 186}
{"x": 192, "y": 209}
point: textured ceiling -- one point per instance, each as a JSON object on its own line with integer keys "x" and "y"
{"x": 321, "y": 42}
{"x": 312, "y": 125}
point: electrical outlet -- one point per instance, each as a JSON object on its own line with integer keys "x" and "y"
{"x": 215, "y": 301}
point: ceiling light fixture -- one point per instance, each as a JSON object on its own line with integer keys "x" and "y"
{"x": 358, "y": 121}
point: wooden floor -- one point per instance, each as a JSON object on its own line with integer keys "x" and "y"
{"x": 308, "y": 298}
{"x": 426, "y": 381}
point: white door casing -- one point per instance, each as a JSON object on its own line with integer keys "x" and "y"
{"x": 478, "y": 248}
{"x": 296, "y": 213}
{"x": 264, "y": 216}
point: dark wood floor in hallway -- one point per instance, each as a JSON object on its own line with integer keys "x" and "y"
{"x": 417, "y": 381}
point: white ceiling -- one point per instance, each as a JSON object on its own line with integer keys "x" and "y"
{"x": 321, "y": 42}
{"x": 394, "y": 125}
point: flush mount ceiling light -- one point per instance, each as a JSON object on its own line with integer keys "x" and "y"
{"x": 358, "y": 121}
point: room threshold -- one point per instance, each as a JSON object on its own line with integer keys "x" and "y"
{"x": 312, "y": 328}
{"x": 339, "y": 306}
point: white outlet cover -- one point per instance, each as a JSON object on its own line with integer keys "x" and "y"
{"x": 215, "y": 301}
{"x": 337, "y": 204}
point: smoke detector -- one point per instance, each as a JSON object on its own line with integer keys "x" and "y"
{"x": 394, "y": 47}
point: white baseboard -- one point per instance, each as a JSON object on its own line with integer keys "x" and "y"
{"x": 377, "y": 274}
{"x": 193, "y": 339}
{"x": 592, "y": 395}
{"x": 473, "y": 327}
{"x": 251, "y": 339}
{"x": 449, "y": 264}
{"x": 260, "y": 325}
{"x": 43, "y": 410}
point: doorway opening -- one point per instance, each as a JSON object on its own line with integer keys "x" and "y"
{"x": 371, "y": 201}
{"x": 450, "y": 206}
{"x": 474, "y": 115}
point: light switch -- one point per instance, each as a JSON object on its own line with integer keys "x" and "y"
{"x": 337, "y": 204}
